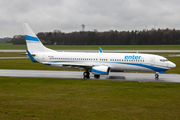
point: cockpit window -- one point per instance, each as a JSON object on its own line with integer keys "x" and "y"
{"x": 163, "y": 60}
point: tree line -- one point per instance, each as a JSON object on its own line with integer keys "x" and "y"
{"x": 134, "y": 37}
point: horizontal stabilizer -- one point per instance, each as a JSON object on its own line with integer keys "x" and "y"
{"x": 30, "y": 56}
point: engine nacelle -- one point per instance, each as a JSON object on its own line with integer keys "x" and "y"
{"x": 100, "y": 70}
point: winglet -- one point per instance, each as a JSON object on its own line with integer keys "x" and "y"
{"x": 100, "y": 50}
{"x": 30, "y": 56}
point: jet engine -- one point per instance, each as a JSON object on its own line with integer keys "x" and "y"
{"x": 100, "y": 70}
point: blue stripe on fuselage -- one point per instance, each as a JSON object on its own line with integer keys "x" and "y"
{"x": 154, "y": 68}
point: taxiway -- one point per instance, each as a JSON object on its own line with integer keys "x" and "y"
{"x": 141, "y": 77}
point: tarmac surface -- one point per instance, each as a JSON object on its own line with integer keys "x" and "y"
{"x": 141, "y": 77}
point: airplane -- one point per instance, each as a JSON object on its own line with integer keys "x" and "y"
{"x": 96, "y": 63}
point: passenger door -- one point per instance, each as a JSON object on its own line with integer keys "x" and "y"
{"x": 152, "y": 61}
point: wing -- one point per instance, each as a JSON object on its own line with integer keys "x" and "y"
{"x": 100, "y": 50}
{"x": 69, "y": 65}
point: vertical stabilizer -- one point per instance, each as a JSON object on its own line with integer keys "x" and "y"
{"x": 34, "y": 45}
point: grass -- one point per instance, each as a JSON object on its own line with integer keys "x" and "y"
{"x": 175, "y": 60}
{"x": 4, "y": 54}
{"x": 4, "y": 45}
{"x": 115, "y": 47}
{"x": 45, "y": 98}
{"x": 23, "y": 64}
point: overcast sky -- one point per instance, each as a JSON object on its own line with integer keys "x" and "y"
{"x": 103, "y": 15}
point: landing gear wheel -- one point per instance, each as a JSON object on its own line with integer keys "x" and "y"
{"x": 86, "y": 74}
{"x": 97, "y": 76}
{"x": 156, "y": 75}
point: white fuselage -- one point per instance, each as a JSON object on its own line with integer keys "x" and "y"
{"x": 115, "y": 61}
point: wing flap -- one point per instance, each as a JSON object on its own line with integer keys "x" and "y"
{"x": 70, "y": 65}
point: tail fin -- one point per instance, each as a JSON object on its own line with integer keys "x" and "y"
{"x": 33, "y": 43}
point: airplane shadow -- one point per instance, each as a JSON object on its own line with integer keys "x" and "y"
{"x": 116, "y": 77}
{"x": 109, "y": 77}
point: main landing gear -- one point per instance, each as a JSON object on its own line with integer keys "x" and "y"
{"x": 157, "y": 75}
{"x": 86, "y": 74}
{"x": 97, "y": 76}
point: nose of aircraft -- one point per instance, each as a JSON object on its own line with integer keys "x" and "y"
{"x": 171, "y": 65}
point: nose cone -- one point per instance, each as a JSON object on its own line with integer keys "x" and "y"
{"x": 171, "y": 65}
